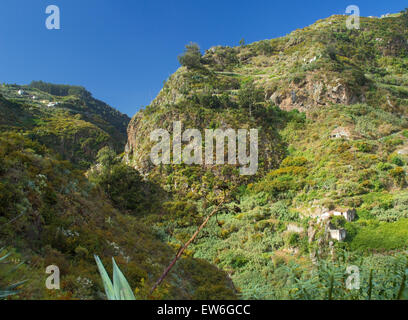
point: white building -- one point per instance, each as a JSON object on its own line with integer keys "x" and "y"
{"x": 349, "y": 215}
{"x": 337, "y": 234}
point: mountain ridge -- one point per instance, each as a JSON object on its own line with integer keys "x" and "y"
{"x": 73, "y": 123}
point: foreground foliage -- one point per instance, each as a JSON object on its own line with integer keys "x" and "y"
{"x": 119, "y": 289}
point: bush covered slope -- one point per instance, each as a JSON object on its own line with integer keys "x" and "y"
{"x": 331, "y": 108}
{"x": 50, "y": 214}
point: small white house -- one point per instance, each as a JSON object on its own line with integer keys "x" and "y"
{"x": 52, "y": 104}
{"x": 349, "y": 215}
{"x": 20, "y": 92}
{"x": 337, "y": 234}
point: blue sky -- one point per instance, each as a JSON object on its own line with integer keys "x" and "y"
{"x": 123, "y": 50}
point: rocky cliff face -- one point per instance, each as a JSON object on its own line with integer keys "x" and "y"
{"x": 311, "y": 92}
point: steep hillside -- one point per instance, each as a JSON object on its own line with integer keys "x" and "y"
{"x": 317, "y": 66}
{"x": 50, "y": 214}
{"x": 331, "y": 108}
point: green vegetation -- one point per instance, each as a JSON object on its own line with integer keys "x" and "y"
{"x": 338, "y": 222}
{"x": 119, "y": 289}
{"x": 60, "y": 90}
{"x": 330, "y": 107}
{"x": 7, "y": 290}
{"x": 381, "y": 236}
{"x": 249, "y": 96}
{"x": 64, "y": 118}
{"x": 405, "y": 16}
{"x": 52, "y": 214}
{"x": 329, "y": 104}
{"x": 124, "y": 185}
{"x": 191, "y": 58}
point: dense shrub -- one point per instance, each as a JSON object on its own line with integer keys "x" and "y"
{"x": 249, "y": 96}
{"x": 396, "y": 160}
{"x": 265, "y": 47}
{"x": 404, "y": 16}
{"x": 293, "y": 239}
{"x": 338, "y": 222}
{"x": 382, "y": 236}
{"x": 191, "y": 58}
{"x": 126, "y": 188}
{"x": 60, "y": 89}
{"x": 398, "y": 174}
{"x": 294, "y": 162}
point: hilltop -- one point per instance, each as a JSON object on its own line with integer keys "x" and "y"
{"x": 66, "y": 118}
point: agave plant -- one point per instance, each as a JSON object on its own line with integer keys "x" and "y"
{"x": 120, "y": 288}
{"x": 9, "y": 290}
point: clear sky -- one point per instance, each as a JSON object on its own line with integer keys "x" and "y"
{"x": 123, "y": 50}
